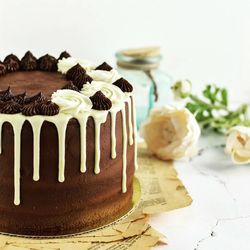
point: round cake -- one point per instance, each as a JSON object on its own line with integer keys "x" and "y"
{"x": 67, "y": 144}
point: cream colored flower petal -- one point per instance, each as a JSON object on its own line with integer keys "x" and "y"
{"x": 238, "y": 159}
{"x": 171, "y": 133}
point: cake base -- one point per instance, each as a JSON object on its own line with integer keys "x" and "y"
{"x": 135, "y": 203}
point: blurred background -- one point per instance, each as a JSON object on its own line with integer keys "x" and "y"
{"x": 204, "y": 41}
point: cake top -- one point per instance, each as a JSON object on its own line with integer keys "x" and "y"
{"x": 49, "y": 85}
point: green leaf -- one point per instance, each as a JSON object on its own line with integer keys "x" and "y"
{"x": 224, "y": 97}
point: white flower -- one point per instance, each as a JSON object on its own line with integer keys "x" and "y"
{"x": 103, "y": 75}
{"x": 71, "y": 102}
{"x": 182, "y": 89}
{"x": 115, "y": 95}
{"x": 171, "y": 133}
{"x": 238, "y": 144}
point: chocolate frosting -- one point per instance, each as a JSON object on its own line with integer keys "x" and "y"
{"x": 20, "y": 98}
{"x": 104, "y": 66}
{"x": 70, "y": 86}
{"x": 64, "y": 54}
{"x": 40, "y": 108}
{"x": 124, "y": 85}
{"x": 6, "y": 95}
{"x": 31, "y": 109}
{"x": 81, "y": 79}
{"x": 35, "y": 98}
{"x": 48, "y": 108}
{"x": 28, "y": 62}
{"x": 75, "y": 71}
{"x": 10, "y": 107}
{"x": 2, "y": 69}
{"x": 11, "y": 65}
{"x": 47, "y": 63}
{"x": 100, "y": 101}
{"x": 13, "y": 57}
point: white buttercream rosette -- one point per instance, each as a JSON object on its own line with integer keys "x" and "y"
{"x": 115, "y": 95}
{"x": 66, "y": 63}
{"x": 71, "y": 102}
{"x": 105, "y": 76}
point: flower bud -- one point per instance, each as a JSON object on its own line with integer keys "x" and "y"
{"x": 182, "y": 89}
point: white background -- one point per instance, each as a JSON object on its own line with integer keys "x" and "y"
{"x": 205, "y": 41}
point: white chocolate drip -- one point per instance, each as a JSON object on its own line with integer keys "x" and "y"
{"x": 130, "y": 126}
{"x": 113, "y": 135}
{"x": 61, "y": 121}
{"x": 124, "y": 153}
{"x": 83, "y": 124}
{"x": 97, "y": 147}
{"x": 18, "y": 124}
{"x": 135, "y": 132}
{"x": 36, "y": 124}
{"x": 61, "y": 125}
{"x": 99, "y": 118}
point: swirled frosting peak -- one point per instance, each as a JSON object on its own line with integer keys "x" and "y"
{"x": 124, "y": 85}
{"x": 12, "y": 63}
{"x": 48, "y": 108}
{"x": 105, "y": 76}
{"x": 71, "y": 102}
{"x": 28, "y": 62}
{"x": 113, "y": 93}
{"x": 35, "y": 98}
{"x": 100, "y": 101}
{"x": 20, "y": 98}
{"x": 47, "y": 63}
{"x": 75, "y": 71}
{"x": 104, "y": 66}
{"x": 6, "y": 95}
{"x": 31, "y": 109}
{"x": 82, "y": 79}
{"x": 64, "y": 54}
{"x": 10, "y": 107}
{"x": 2, "y": 69}
{"x": 11, "y": 56}
{"x": 65, "y": 64}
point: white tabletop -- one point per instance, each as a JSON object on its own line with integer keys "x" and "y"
{"x": 219, "y": 217}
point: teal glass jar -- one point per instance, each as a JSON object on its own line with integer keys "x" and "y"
{"x": 151, "y": 85}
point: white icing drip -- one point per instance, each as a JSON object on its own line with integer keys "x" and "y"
{"x": 82, "y": 119}
{"x": 61, "y": 125}
{"x": 17, "y": 128}
{"x": 135, "y": 131}
{"x": 97, "y": 147}
{"x": 36, "y": 124}
{"x": 130, "y": 125}
{"x": 124, "y": 153}
{"x": 1, "y": 125}
{"x": 113, "y": 135}
{"x": 99, "y": 118}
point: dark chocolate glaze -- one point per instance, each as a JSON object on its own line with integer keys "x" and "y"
{"x": 33, "y": 82}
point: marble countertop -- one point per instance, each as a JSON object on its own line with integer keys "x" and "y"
{"x": 219, "y": 217}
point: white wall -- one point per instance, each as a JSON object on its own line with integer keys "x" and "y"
{"x": 204, "y": 40}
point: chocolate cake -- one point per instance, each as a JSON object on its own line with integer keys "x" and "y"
{"x": 67, "y": 144}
